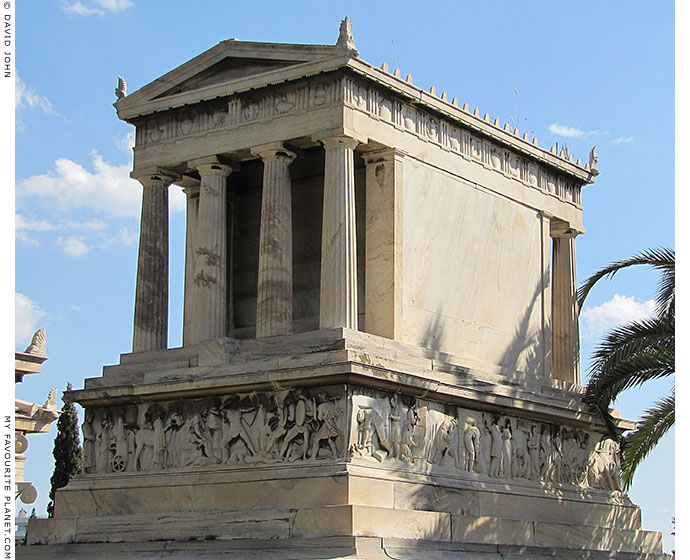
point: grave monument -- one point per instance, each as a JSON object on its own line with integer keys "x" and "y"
{"x": 380, "y": 353}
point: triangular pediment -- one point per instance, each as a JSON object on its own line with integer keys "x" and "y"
{"x": 228, "y": 67}
{"x": 227, "y": 70}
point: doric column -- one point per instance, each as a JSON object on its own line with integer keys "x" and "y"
{"x": 383, "y": 267}
{"x": 190, "y": 250}
{"x": 566, "y": 340}
{"x": 339, "y": 236}
{"x": 151, "y": 300}
{"x": 546, "y": 303}
{"x": 274, "y": 290}
{"x": 209, "y": 283}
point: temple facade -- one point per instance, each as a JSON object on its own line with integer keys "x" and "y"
{"x": 380, "y": 345}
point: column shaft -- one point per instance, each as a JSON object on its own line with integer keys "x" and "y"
{"x": 339, "y": 236}
{"x": 383, "y": 238}
{"x": 209, "y": 311}
{"x": 546, "y": 301}
{"x": 566, "y": 339}
{"x": 274, "y": 290}
{"x": 151, "y": 300}
{"x": 190, "y": 250}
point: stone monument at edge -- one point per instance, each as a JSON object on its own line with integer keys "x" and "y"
{"x": 380, "y": 353}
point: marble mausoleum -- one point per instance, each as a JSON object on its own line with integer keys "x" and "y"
{"x": 380, "y": 354}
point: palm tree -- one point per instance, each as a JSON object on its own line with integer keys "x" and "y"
{"x": 634, "y": 353}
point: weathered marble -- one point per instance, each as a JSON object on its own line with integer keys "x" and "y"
{"x": 151, "y": 300}
{"x": 380, "y": 344}
{"x": 566, "y": 340}
{"x": 209, "y": 284}
{"x": 274, "y": 292}
{"x": 338, "y": 240}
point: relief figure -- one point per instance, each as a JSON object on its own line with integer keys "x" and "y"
{"x": 472, "y": 439}
{"x": 89, "y": 454}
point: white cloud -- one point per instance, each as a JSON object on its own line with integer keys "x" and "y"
{"x": 107, "y": 189}
{"x": 126, "y": 143}
{"x": 72, "y": 245}
{"x": 623, "y": 140}
{"x": 27, "y": 314}
{"x": 596, "y": 321}
{"x": 25, "y": 96}
{"x": 23, "y": 227}
{"x": 125, "y": 236}
{"x": 572, "y": 132}
{"x": 99, "y": 7}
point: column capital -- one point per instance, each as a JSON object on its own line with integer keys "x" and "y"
{"x": 273, "y": 151}
{"x": 156, "y": 174}
{"x": 562, "y": 229}
{"x": 338, "y": 138}
{"x": 212, "y": 165}
{"x": 376, "y": 155}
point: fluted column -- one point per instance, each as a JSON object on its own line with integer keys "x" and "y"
{"x": 339, "y": 236}
{"x": 209, "y": 283}
{"x": 546, "y": 299}
{"x": 190, "y": 250}
{"x": 151, "y": 300}
{"x": 566, "y": 339}
{"x": 383, "y": 239}
{"x": 274, "y": 290}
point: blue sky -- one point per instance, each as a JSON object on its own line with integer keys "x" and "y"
{"x": 577, "y": 73}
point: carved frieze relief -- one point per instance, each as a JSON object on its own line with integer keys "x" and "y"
{"x": 306, "y": 425}
{"x": 271, "y": 427}
{"x": 400, "y": 431}
{"x": 472, "y": 146}
{"x": 243, "y": 108}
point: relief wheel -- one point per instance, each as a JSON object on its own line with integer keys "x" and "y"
{"x": 566, "y": 473}
{"x": 118, "y": 463}
{"x": 580, "y": 473}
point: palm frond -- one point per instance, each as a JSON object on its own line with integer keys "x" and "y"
{"x": 654, "y": 424}
{"x": 662, "y": 259}
{"x": 629, "y": 356}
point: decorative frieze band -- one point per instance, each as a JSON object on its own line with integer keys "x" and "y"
{"x": 366, "y": 425}
{"x": 395, "y": 430}
{"x": 423, "y": 124}
{"x": 322, "y": 91}
{"x": 238, "y": 429}
{"x": 239, "y": 109}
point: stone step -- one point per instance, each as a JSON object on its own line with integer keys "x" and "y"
{"x": 338, "y": 521}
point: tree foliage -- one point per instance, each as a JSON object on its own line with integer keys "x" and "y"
{"x": 635, "y": 353}
{"x": 67, "y": 450}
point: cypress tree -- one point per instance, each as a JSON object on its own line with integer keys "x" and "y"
{"x": 67, "y": 450}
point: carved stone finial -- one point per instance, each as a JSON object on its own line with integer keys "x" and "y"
{"x": 593, "y": 159}
{"x": 51, "y": 403}
{"x": 345, "y": 39}
{"x": 384, "y": 67}
{"x": 121, "y": 90}
{"x": 38, "y": 343}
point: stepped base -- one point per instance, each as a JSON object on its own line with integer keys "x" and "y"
{"x": 336, "y": 444}
{"x": 335, "y": 548}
